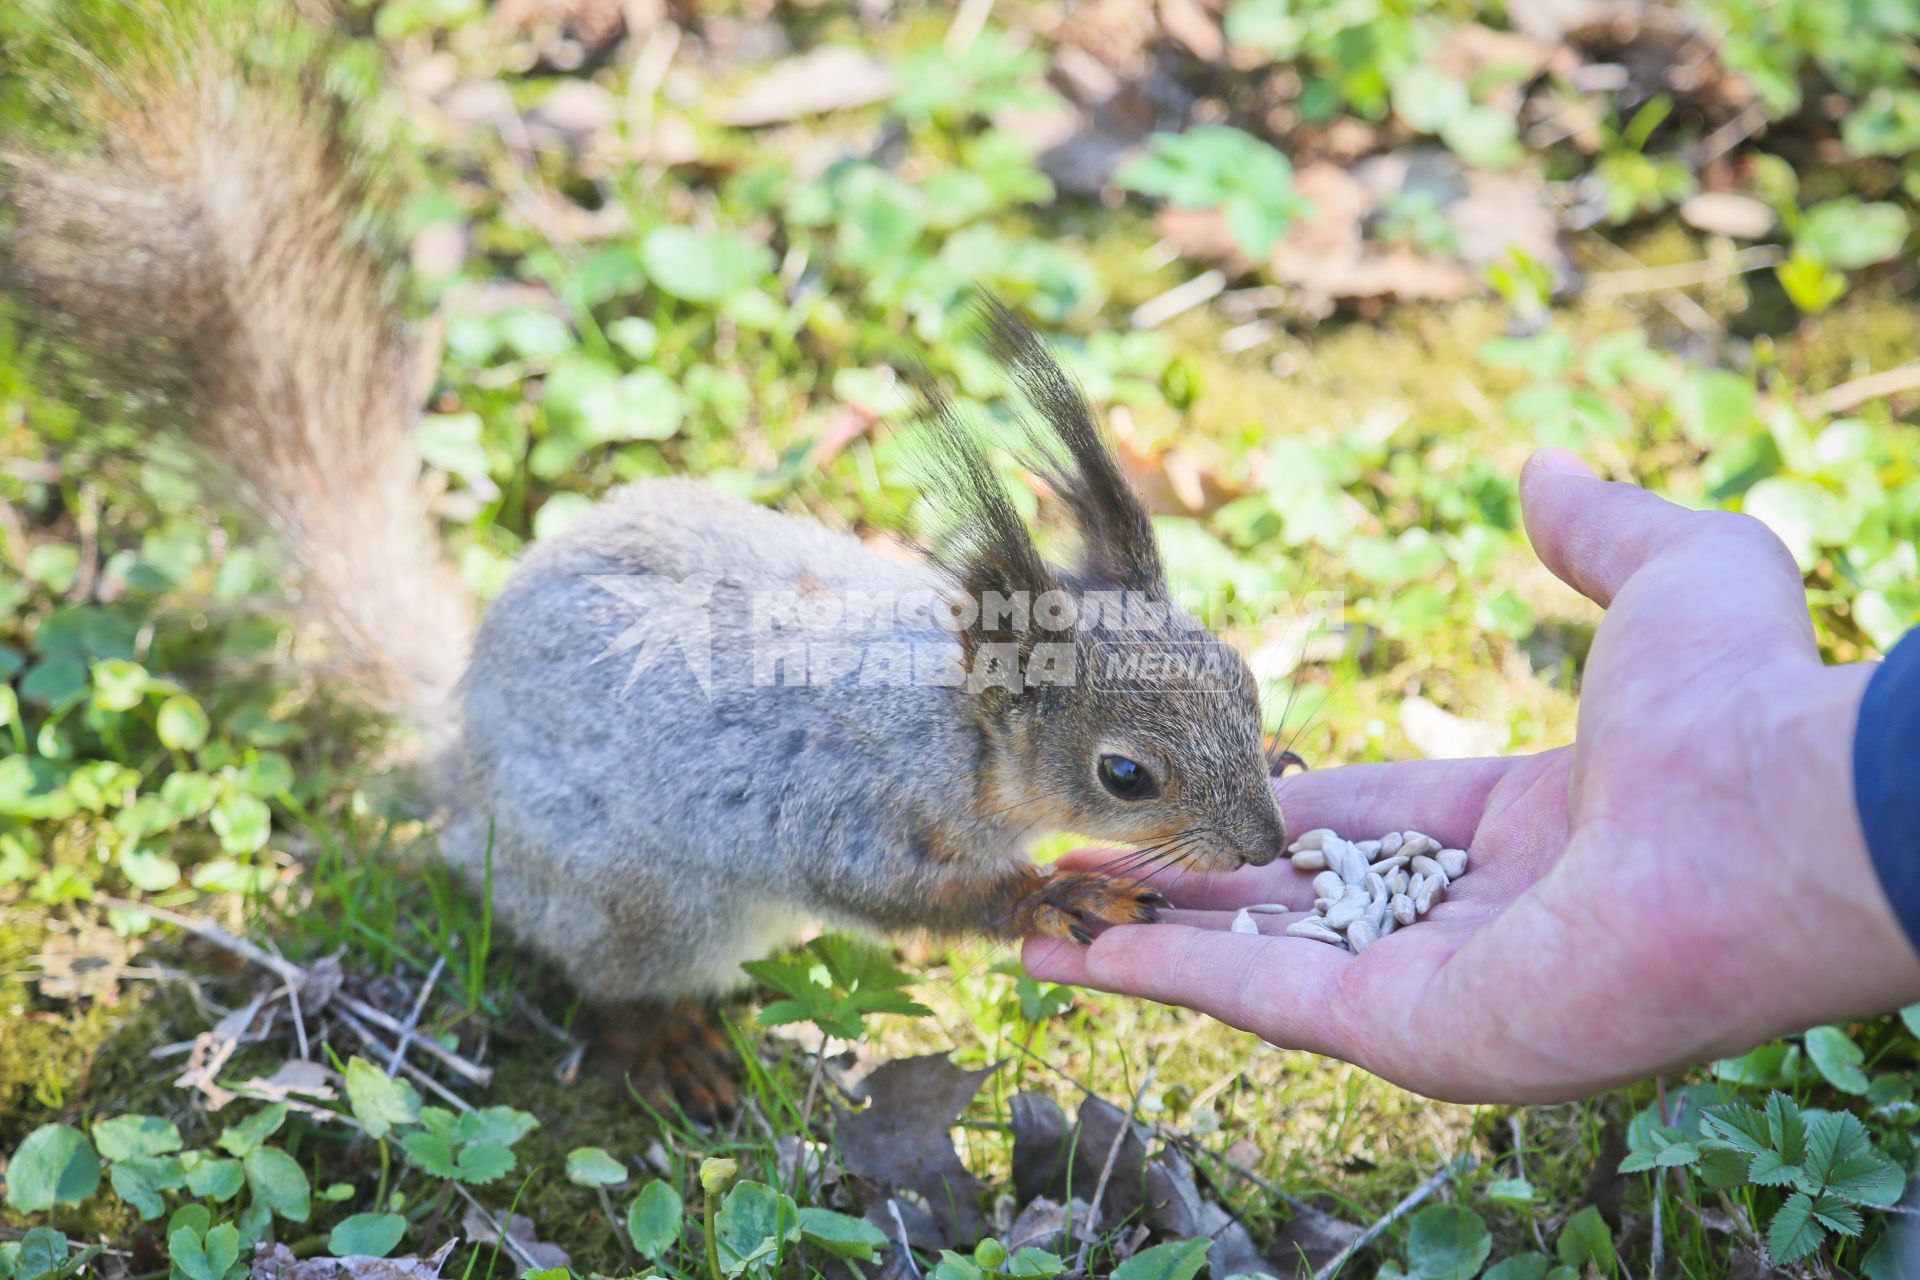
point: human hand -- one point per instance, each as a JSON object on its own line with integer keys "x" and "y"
{"x": 1687, "y": 880}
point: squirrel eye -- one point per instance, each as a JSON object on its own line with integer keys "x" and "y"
{"x": 1127, "y": 779}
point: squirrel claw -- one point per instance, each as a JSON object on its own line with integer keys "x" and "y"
{"x": 1067, "y": 906}
{"x": 669, "y": 1055}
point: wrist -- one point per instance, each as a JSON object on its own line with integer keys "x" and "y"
{"x": 1803, "y": 786}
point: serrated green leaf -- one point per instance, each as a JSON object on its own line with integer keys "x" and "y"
{"x": 1793, "y": 1233}
{"x": 1743, "y": 1126}
{"x": 380, "y": 1102}
{"x": 495, "y": 1126}
{"x": 133, "y": 1135}
{"x": 369, "y": 1235}
{"x": 482, "y": 1162}
{"x": 432, "y": 1153}
{"x": 1786, "y": 1128}
{"x": 1837, "y": 1215}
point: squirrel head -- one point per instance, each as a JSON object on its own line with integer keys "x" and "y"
{"x": 1108, "y": 710}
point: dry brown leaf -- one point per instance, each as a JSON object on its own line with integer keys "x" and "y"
{"x": 1202, "y": 234}
{"x": 1173, "y": 481}
{"x": 572, "y": 114}
{"x": 902, "y": 1142}
{"x": 1326, "y": 256}
{"x": 520, "y": 1230}
{"x": 85, "y": 965}
{"x": 1194, "y": 26}
{"x": 277, "y": 1262}
{"x": 1726, "y": 213}
{"x": 1472, "y": 49}
{"x": 830, "y": 78}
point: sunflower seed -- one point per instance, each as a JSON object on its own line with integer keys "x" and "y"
{"x": 1351, "y": 865}
{"x": 1268, "y": 908}
{"x": 1315, "y": 929}
{"x": 1345, "y": 912}
{"x": 1245, "y": 923}
{"x": 1365, "y": 889}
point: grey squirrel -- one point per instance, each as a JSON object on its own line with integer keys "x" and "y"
{"x": 655, "y": 765}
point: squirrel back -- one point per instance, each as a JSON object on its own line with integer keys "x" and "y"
{"x": 202, "y": 259}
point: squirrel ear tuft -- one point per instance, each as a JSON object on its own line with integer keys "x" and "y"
{"x": 984, "y": 546}
{"x": 1077, "y": 459}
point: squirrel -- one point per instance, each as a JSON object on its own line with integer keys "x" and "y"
{"x": 646, "y": 752}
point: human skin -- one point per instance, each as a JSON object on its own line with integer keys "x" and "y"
{"x": 1687, "y": 880}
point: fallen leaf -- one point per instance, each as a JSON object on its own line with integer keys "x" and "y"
{"x": 277, "y": 1262}
{"x": 321, "y": 984}
{"x": 573, "y": 114}
{"x": 1725, "y": 213}
{"x": 829, "y": 78}
{"x": 1039, "y": 1145}
{"x": 1471, "y": 50}
{"x": 1041, "y": 1225}
{"x": 1438, "y": 734}
{"x": 481, "y": 1230}
{"x": 296, "y": 1076}
{"x": 85, "y": 965}
{"x": 1189, "y": 22}
{"x": 1177, "y": 1210}
{"x": 1312, "y": 1237}
{"x": 902, "y": 1142}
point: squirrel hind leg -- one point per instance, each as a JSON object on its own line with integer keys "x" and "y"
{"x": 671, "y": 1053}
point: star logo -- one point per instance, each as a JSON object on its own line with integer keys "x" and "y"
{"x": 670, "y": 612}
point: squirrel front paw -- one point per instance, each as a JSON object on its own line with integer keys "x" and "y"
{"x": 1064, "y": 906}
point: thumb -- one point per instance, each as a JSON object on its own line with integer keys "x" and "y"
{"x": 1595, "y": 534}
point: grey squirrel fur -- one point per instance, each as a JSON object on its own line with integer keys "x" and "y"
{"x": 646, "y": 833}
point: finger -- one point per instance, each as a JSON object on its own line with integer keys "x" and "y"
{"x": 1595, "y": 535}
{"x": 1282, "y": 989}
{"x": 1441, "y": 798}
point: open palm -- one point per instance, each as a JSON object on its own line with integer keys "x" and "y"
{"x": 1686, "y": 880}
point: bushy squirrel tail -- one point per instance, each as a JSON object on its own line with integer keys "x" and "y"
{"x": 199, "y": 252}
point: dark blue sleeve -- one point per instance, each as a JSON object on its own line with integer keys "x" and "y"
{"x": 1886, "y": 778}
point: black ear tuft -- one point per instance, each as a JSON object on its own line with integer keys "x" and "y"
{"x": 1077, "y": 459}
{"x": 984, "y": 546}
